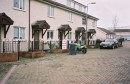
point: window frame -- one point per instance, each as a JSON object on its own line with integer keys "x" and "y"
{"x": 80, "y": 7}
{"x": 69, "y": 3}
{"x": 50, "y": 11}
{"x": 50, "y": 34}
{"x": 70, "y": 17}
{"x": 94, "y": 23}
{"x": 69, "y": 36}
{"x": 84, "y": 20}
{"x": 20, "y": 34}
{"x": 20, "y": 4}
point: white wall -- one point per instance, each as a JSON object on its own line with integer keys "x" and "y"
{"x": 19, "y": 17}
{"x": 39, "y": 12}
{"x": 100, "y": 34}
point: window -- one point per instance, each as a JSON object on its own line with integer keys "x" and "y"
{"x": 50, "y": 34}
{"x": 69, "y": 3}
{"x": 84, "y": 21}
{"x": 70, "y": 35}
{"x": 80, "y": 8}
{"x": 50, "y": 11}
{"x": 70, "y": 17}
{"x": 19, "y": 4}
{"x": 84, "y": 9}
{"x": 94, "y": 23}
{"x": 19, "y": 32}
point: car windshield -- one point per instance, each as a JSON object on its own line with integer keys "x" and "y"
{"x": 109, "y": 40}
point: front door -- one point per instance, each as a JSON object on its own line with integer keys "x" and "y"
{"x": 60, "y": 38}
{"x": 36, "y": 40}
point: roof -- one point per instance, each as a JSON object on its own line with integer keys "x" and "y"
{"x": 80, "y": 29}
{"x": 106, "y": 31}
{"x": 65, "y": 27}
{"x": 64, "y": 7}
{"x": 40, "y": 24}
{"x": 122, "y": 30}
{"x": 5, "y": 20}
{"x": 91, "y": 31}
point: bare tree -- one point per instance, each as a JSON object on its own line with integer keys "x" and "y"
{"x": 115, "y": 22}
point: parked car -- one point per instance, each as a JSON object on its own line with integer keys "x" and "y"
{"x": 128, "y": 38}
{"x": 109, "y": 43}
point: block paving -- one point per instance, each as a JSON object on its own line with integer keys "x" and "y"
{"x": 98, "y": 66}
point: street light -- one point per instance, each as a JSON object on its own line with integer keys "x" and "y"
{"x": 87, "y": 20}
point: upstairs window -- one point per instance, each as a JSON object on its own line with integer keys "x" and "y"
{"x": 19, "y": 32}
{"x": 70, "y": 17}
{"x": 84, "y": 21}
{"x": 50, "y": 11}
{"x": 19, "y": 4}
{"x": 94, "y": 23}
{"x": 69, "y": 3}
{"x": 50, "y": 34}
{"x": 83, "y": 9}
{"x": 80, "y": 8}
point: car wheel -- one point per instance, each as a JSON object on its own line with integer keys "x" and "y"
{"x": 84, "y": 50}
{"x": 117, "y": 46}
{"x": 113, "y": 46}
{"x": 101, "y": 47}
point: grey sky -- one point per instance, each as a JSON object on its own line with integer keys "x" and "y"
{"x": 106, "y": 10}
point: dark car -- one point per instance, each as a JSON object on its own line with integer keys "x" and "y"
{"x": 109, "y": 43}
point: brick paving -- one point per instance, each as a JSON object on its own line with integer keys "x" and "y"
{"x": 98, "y": 66}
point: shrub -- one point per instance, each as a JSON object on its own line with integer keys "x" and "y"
{"x": 98, "y": 41}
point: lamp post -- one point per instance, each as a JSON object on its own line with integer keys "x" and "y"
{"x": 87, "y": 21}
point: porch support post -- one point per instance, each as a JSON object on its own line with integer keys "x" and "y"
{"x": 43, "y": 33}
{"x": 6, "y": 30}
{"x": 66, "y": 34}
{"x": 81, "y": 35}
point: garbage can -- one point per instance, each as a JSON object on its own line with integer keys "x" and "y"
{"x": 73, "y": 49}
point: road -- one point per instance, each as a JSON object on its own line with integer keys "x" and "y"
{"x": 98, "y": 66}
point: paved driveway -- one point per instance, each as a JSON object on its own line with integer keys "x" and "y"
{"x": 105, "y": 66}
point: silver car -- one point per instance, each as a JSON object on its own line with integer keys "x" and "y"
{"x": 109, "y": 43}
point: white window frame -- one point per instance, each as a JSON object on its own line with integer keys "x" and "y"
{"x": 20, "y": 32}
{"x": 84, "y": 9}
{"x": 70, "y": 17}
{"x": 20, "y": 4}
{"x": 80, "y": 7}
{"x": 93, "y": 23}
{"x": 69, "y": 3}
{"x": 50, "y": 11}
{"x": 70, "y": 35}
{"x": 50, "y": 37}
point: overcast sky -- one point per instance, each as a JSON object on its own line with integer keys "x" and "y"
{"x": 106, "y": 10}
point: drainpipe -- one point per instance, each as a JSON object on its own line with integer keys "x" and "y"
{"x": 29, "y": 26}
{"x": 0, "y": 39}
{"x": 0, "y": 33}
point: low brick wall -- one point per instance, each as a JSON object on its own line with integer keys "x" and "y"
{"x": 59, "y": 50}
{"x": 34, "y": 54}
{"x": 65, "y": 50}
{"x": 8, "y": 57}
{"x": 56, "y": 50}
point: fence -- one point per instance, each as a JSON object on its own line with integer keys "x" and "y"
{"x": 13, "y": 46}
{"x": 21, "y": 46}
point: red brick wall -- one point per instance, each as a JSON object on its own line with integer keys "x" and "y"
{"x": 8, "y": 57}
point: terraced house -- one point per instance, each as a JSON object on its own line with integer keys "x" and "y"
{"x": 33, "y": 22}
